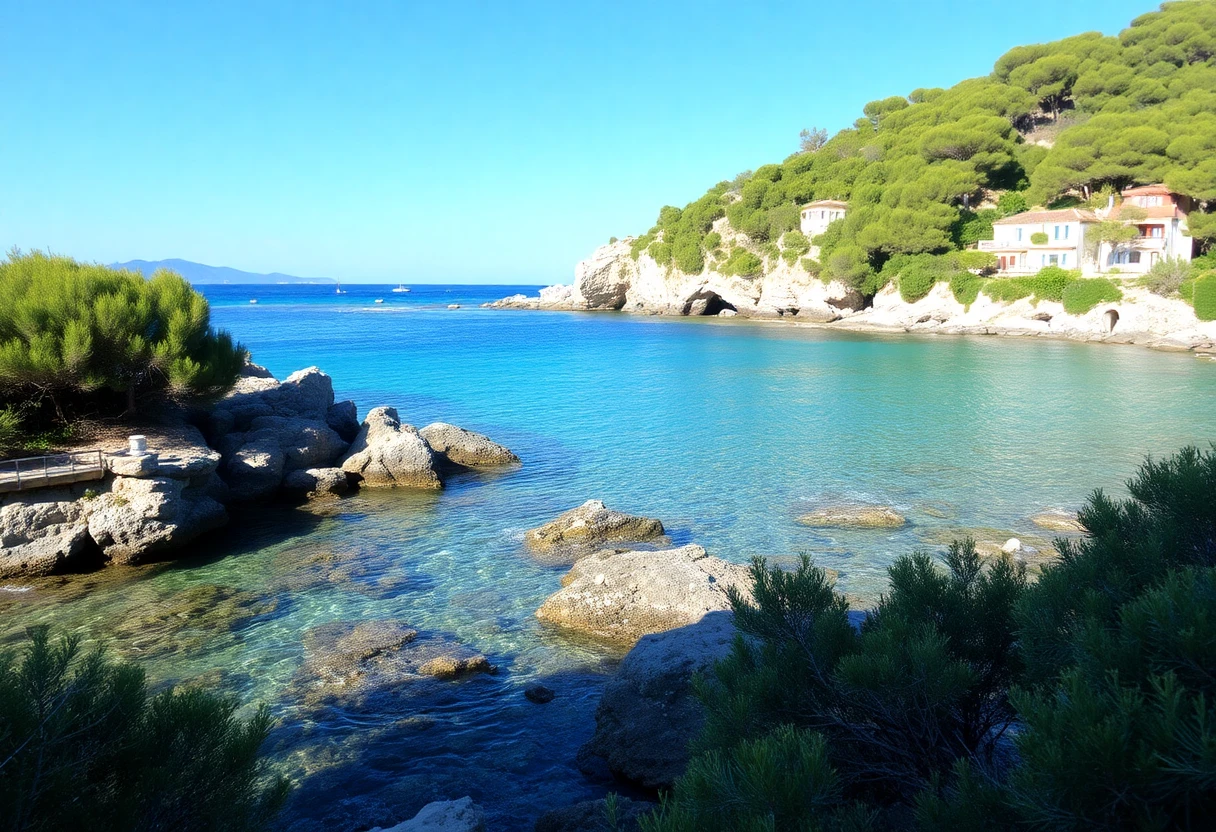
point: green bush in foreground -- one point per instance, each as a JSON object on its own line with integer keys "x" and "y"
{"x": 1203, "y": 297}
{"x": 1049, "y": 284}
{"x": 72, "y": 330}
{"x": 742, "y": 263}
{"x": 82, "y": 746}
{"x": 1080, "y": 296}
{"x": 1106, "y": 667}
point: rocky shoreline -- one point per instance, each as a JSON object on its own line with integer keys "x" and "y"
{"x": 611, "y": 280}
{"x": 265, "y": 440}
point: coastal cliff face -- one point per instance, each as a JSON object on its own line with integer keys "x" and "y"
{"x": 610, "y": 279}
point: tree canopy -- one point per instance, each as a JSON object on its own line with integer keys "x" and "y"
{"x": 91, "y": 334}
{"x": 1071, "y": 117}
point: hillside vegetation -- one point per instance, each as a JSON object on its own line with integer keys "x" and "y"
{"x": 927, "y": 173}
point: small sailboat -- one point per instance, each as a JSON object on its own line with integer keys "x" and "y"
{"x": 379, "y": 300}
{"x": 338, "y": 291}
{"x": 401, "y": 288}
{"x": 253, "y": 300}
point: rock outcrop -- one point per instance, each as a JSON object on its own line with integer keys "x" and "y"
{"x": 464, "y": 447}
{"x": 137, "y": 519}
{"x": 315, "y": 483}
{"x": 620, "y": 596}
{"x": 591, "y": 524}
{"x": 648, "y": 712}
{"x": 461, "y": 815}
{"x": 43, "y": 532}
{"x": 854, "y": 516}
{"x": 388, "y": 454}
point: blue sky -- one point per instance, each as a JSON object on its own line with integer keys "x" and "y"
{"x": 439, "y": 142}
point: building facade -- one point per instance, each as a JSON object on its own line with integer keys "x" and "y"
{"x": 1027, "y": 242}
{"x": 818, "y": 215}
{"x": 1032, "y": 240}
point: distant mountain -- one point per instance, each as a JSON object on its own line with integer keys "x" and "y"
{"x": 199, "y": 273}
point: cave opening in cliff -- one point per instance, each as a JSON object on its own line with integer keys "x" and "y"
{"x": 1112, "y": 318}
{"x": 714, "y": 304}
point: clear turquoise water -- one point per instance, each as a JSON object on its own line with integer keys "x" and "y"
{"x": 726, "y": 430}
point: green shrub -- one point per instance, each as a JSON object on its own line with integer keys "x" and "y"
{"x": 639, "y": 245}
{"x": 10, "y": 429}
{"x": 82, "y": 746}
{"x": 742, "y": 263}
{"x": 972, "y": 260}
{"x": 1165, "y": 277}
{"x": 966, "y": 287}
{"x": 795, "y": 243}
{"x": 611, "y": 240}
{"x": 712, "y": 240}
{"x": 71, "y": 330}
{"x": 812, "y": 266}
{"x": 1039, "y": 238}
{"x": 661, "y": 252}
{"x": 1011, "y": 202}
{"x": 1080, "y": 296}
{"x": 1049, "y": 284}
{"x": 974, "y": 227}
{"x": 1203, "y": 297}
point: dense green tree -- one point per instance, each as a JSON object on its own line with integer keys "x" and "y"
{"x": 75, "y": 330}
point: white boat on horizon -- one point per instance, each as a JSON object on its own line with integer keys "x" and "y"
{"x": 253, "y": 300}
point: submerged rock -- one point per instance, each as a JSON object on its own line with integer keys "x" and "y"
{"x": 539, "y": 694}
{"x": 353, "y": 661}
{"x": 592, "y": 816}
{"x": 854, "y": 516}
{"x": 461, "y": 815}
{"x": 592, "y": 524}
{"x": 188, "y": 619}
{"x": 623, "y": 595}
{"x": 389, "y": 454}
{"x": 1058, "y": 521}
{"x": 464, "y": 447}
{"x": 648, "y": 712}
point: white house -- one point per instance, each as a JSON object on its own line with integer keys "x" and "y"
{"x": 818, "y": 215}
{"x": 1160, "y": 220}
{"x": 1026, "y": 242}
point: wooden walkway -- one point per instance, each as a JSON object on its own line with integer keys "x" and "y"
{"x": 53, "y": 469}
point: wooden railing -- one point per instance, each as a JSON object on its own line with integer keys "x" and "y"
{"x": 52, "y": 469}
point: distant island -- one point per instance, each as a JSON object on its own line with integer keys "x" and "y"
{"x": 202, "y": 274}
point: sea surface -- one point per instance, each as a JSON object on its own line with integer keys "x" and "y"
{"x": 727, "y": 430}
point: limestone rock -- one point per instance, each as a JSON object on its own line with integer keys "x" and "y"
{"x": 1058, "y": 521}
{"x": 621, "y": 596}
{"x": 313, "y": 483}
{"x": 306, "y": 443}
{"x": 387, "y": 453}
{"x": 601, "y": 281}
{"x": 592, "y": 816}
{"x": 455, "y": 665}
{"x": 140, "y": 518}
{"x": 343, "y": 417}
{"x": 255, "y": 470}
{"x": 592, "y": 524}
{"x": 1011, "y": 546}
{"x": 461, "y": 815}
{"x": 854, "y": 516}
{"x": 464, "y": 447}
{"x": 43, "y": 532}
{"x": 648, "y": 712}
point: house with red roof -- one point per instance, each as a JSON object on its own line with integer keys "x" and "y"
{"x": 1031, "y": 240}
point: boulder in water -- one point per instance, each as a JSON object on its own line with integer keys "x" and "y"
{"x": 854, "y": 516}
{"x": 388, "y": 454}
{"x": 464, "y": 447}
{"x": 1058, "y": 521}
{"x": 461, "y": 815}
{"x": 592, "y": 524}
{"x": 620, "y": 596}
